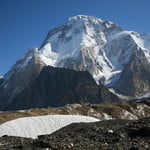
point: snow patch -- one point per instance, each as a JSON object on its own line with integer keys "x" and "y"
{"x": 47, "y": 56}
{"x": 147, "y": 95}
{"x": 107, "y": 117}
{"x": 139, "y": 111}
{"x": 127, "y": 115}
{"x": 123, "y": 97}
{"x": 143, "y": 41}
{"x": 110, "y": 131}
{"x": 31, "y": 127}
{"x": 73, "y": 106}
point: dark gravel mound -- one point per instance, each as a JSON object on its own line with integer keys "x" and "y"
{"x": 105, "y": 135}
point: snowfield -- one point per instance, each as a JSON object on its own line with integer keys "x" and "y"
{"x": 31, "y": 127}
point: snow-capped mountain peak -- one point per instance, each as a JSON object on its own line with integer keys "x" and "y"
{"x": 82, "y": 36}
{"x": 85, "y": 43}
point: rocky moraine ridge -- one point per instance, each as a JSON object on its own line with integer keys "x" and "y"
{"x": 125, "y": 110}
{"x": 104, "y": 135}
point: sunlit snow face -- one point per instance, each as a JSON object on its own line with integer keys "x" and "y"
{"x": 102, "y": 43}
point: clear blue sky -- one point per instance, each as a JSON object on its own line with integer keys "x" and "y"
{"x": 25, "y": 23}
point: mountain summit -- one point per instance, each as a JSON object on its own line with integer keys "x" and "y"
{"x": 117, "y": 58}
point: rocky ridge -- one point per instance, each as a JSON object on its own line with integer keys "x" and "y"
{"x": 124, "y": 110}
{"x": 60, "y": 86}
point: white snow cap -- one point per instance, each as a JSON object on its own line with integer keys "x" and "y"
{"x": 84, "y": 17}
{"x": 31, "y": 127}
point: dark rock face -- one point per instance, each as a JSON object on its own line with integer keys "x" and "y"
{"x": 1, "y": 80}
{"x": 135, "y": 78}
{"x": 60, "y": 86}
{"x": 112, "y": 134}
{"x": 16, "y": 80}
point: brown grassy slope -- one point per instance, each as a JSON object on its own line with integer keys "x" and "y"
{"x": 125, "y": 110}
